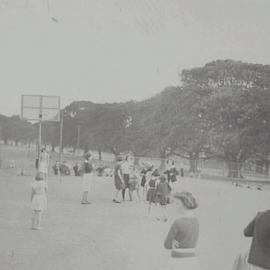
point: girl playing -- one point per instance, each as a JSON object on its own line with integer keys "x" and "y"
{"x": 38, "y": 199}
{"x": 125, "y": 167}
{"x": 133, "y": 182}
{"x": 146, "y": 176}
{"x": 162, "y": 197}
{"x": 87, "y": 169}
{"x": 118, "y": 179}
{"x": 171, "y": 172}
{"x": 43, "y": 165}
{"x": 152, "y": 190}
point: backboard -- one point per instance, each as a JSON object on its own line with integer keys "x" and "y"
{"x": 38, "y": 107}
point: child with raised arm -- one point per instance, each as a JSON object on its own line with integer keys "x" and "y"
{"x": 38, "y": 199}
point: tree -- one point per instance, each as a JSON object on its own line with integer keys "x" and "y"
{"x": 237, "y": 110}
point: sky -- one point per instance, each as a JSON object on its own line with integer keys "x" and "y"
{"x": 120, "y": 50}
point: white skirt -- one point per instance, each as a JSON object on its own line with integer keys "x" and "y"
{"x": 39, "y": 202}
{"x": 43, "y": 167}
{"x": 86, "y": 181}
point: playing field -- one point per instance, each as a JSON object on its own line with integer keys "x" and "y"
{"x": 111, "y": 236}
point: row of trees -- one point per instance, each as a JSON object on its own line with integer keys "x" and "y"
{"x": 221, "y": 111}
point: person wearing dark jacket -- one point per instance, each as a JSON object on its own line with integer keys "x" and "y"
{"x": 259, "y": 253}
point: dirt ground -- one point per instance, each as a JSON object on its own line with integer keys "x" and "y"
{"x": 111, "y": 236}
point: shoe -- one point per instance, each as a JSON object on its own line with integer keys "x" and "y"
{"x": 85, "y": 202}
{"x": 114, "y": 200}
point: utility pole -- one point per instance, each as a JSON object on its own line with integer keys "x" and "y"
{"x": 61, "y": 136}
{"x": 78, "y": 136}
{"x": 39, "y": 131}
{"x": 0, "y": 148}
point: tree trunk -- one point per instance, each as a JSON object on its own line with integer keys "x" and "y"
{"x": 99, "y": 154}
{"x": 162, "y": 156}
{"x": 137, "y": 161}
{"x": 193, "y": 165}
{"x": 193, "y": 162}
{"x": 234, "y": 169}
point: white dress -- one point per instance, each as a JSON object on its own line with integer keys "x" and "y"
{"x": 43, "y": 163}
{"x": 86, "y": 181}
{"x": 39, "y": 201}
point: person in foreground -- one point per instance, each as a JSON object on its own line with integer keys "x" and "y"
{"x": 259, "y": 254}
{"x": 183, "y": 235}
{"x": 38, "y": 199}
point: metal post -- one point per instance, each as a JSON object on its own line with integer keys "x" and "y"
{"x": 61, "y": 140}
{"x": 78, "y": 136}
{"x": 40, "y": 127}
{"x": 0, "y": 148}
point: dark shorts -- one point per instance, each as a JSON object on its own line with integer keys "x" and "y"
{"x": 126, "y": 180}
{"x": 143, "y": 182}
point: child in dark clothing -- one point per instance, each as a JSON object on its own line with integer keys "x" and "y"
{"x": 152, "y": 190}
{"x": 162, "y": 196}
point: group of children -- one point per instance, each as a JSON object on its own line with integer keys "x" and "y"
{"x": 156, "y": 187}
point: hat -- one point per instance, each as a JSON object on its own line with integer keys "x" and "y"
{"x": 187, "y": 199}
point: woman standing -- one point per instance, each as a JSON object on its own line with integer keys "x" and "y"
{"x": 87, "y": 169}
{"x": 171, "y": 171}
{"x": 43, "y": 164}
{"x": 126, "y": 175}
{"x": 183, "y": 235}
{"x": 118, "y": 179}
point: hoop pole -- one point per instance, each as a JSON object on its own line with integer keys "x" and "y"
{"x": 40, "y": 127}
{"x": 61, "y": 142}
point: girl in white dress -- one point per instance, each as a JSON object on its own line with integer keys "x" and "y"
{"x": 87, "y": 170}
{"x": 38, "y": 199}
{"x": 44, "y": 159}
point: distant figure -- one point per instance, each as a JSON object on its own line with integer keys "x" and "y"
{"x": 56, "y": 168}
{"x": 65, "y": 168}
{"x": 43, "y": 164}
{"x": 100, "y": 169}
{"x": 76, "y": 168}
{"x": 183, "y": 235}
{"x": 87, "y": 169}
{"x": 118, "y": 179}
{"x": 259, "y": 254}
{"x": 38, "y": 199}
